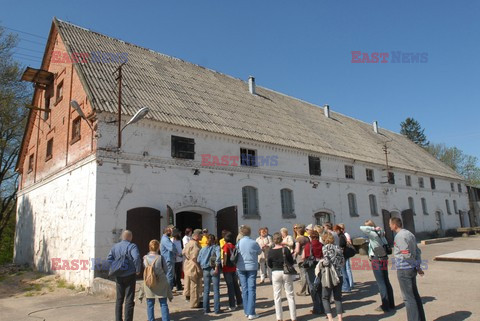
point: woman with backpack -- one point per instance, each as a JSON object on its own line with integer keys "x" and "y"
{"x": 276, "y": 259}
{"x": 343, "y": 242}
{"x": 210, "y": 262}
{"x": 230, "y": 273}
{"x": 378, "y": 256}
{"x": 155, "y": 284}
{"x": 312, "y": 253}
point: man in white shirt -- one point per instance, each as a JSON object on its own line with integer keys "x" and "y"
{"x": 187, "y": 237}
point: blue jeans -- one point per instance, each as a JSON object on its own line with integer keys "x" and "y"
{"x": 346, "y": 283}
{"x": 233, "y": 288}
{"x": 171, "y": 273}
{"x": 249, "y": 290}
{"x": 348, "y": 268}
{"x": 407, "y": 279}
{"x": 380, "y": 271}
{"x": 163, "y": 307}
{"x": 208, "y": 278}
{"x": 315, "y": 292}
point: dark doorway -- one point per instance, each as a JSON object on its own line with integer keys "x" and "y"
{"x": 408, "y": 222}
{"x": 227, "y": 219}
{"x": 144, "y": 222}
{"x": 386, "y": 226}
{"x": 188, "y": 219}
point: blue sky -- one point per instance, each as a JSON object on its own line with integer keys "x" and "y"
{"x": 303, "y": 49}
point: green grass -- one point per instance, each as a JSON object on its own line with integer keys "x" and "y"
{"x": 7, "y": 241}
{"x": 61, "y": 283}
{"x": 2, "y": 277}
{"x": 71, "y": 287}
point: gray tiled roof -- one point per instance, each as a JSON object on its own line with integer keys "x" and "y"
{"x": 186, "y": 94}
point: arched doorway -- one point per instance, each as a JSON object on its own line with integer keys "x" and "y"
{"x": 322, "y": 217}
{"x": 188, "y": 219}
{"x": 144, "y": 222}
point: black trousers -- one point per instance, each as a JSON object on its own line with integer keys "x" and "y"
{"x": 125, "y": 292}
{"x": 178, "y": 275}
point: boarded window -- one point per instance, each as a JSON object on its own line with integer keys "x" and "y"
{"x": 370, "y": 176}
{"x": 250, "y": 201}
{"x": 447, "y": 204}
{"x": 352, "y": 205}
{"x": 455, "y": 208}
{"x": 314, "y": 165}
{"x": 183, "y": 147}
{"x": 408, "y": 180}
{"x": 373, "y": 205}
{"x": 76, "y": 129}
{"x": 452, "y": 187}
{"x": 349, "y": 172}
{"x": 31, "y": 159}
{"x": 421, "y": 184}
{"x": 287, "y": 203}
{"x": 49, "y": 149}
{"x": 59, "y": 93}
{"x": 432, "y": 182}
{"x": 424, "y": 206}
{"x": 248, "y": 157}
{"x": 459, "y": 188}
{"x": 391, "y": 178}
{"x": 46, "y": 113}
{"x": 411, "y": 204}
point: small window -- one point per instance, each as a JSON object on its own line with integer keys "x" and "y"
{"x": 183, "y": 147}
{"x": 432, "y": 182}
{"x": 447, "y": 204}
{"x": 49, "y": 149}
{"x": 76, "y": 129}
{"x": 322, "y": 218}
{"x": 455, "y": 208}
{"x": 250, "y": 201}
{"x": 314, "y": 165}
{"x": 408, "y": 180}
{"x": 411, "y": 204}
{"x": 424, "y": 206}
{"x": 248, "y": 157}
{"x": 30, "y": 163}
{"x": 391, "y": 178}
{"x": 287, "y": 203}
{"x": 421, "y": 184}
{"x": 352, "y": 204}
{"x": 370, "y": 176}
{"x": 452, "y": 187}
{"x": 349, "y": 172}
{"x": 59, "y": 94}
{"x": 459, "y": 186}
{"x": 373, "y": 205}
{"x": 46, "y": 113}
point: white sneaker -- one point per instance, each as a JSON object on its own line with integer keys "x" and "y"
{"x": 253, "y": 316}
{"x": 229, "y": 309}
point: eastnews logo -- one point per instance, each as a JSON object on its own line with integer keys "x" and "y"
{"x": 395, "y": 57}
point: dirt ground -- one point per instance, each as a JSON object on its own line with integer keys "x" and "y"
{"x": 450, "y": 292}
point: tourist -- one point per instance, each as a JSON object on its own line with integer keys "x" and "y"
{"x": 160, "y": 289}
{"x": 287, "y": 240}
{"x": 204, "y": 240}
{"x": 125, "y": 279}
{"x": 342, "y": 243}
{"x": 308, "y": 230}
{"x": 266, "y": 243}
{"x": 177, "y": 242}
{"x": 230, "y": 274}
{"x": 376, "y": 240}
{"x": 247, "y": 267}
{"x": 332, "y": 259}
{"x": 348, "y": 266}
{"x": 169, "y": 253}
{"x": 276, "y": 260}
{"x": 314, "y": 248}
{"x": 210, "y": 262}
{"x": 328, "y": 227}
{"x": 300, "y": 242}
{"x": 320, "y": 230}
{"x": 187, "y": 237}
{"x": 239, "y": 235}
{"x": 407, "y": 262}
{"x": 192, "y": 271}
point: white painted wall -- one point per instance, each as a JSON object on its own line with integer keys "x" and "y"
{"x": 56, "y": 219}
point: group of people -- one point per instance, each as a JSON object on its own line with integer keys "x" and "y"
{"x": 320, "y": 255}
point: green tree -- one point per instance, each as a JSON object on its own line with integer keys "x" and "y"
{"x": 463, "y": 164}
{"x": 413, "y": 131}
{"x": 13, "y": 96}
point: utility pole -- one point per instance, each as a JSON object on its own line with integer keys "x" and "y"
{"x": 119, "y": 80}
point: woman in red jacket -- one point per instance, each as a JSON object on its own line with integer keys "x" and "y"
{"x": 314, "y": 248}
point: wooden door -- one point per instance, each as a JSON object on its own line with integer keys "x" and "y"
{"x": 408, "y": 221}
{"x": 227, "y": 219}
{"x": 386, "y": 226}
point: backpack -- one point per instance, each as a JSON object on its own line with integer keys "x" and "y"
{"x": 234, "y": 255}
{"x": 228, "y": 258}
{"x": 149, "y": 276}
{"x": 213, "y": 259}
{"x": 384, "y": 250}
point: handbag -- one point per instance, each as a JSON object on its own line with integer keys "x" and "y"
{"x": 287, "y": 267}
{"x": 349, "y": 251}
{"x": 310, "y": 261}
{"x": 383, "y": 251}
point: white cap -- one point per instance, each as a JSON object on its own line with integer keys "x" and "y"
{"x": 309, "y": 227}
